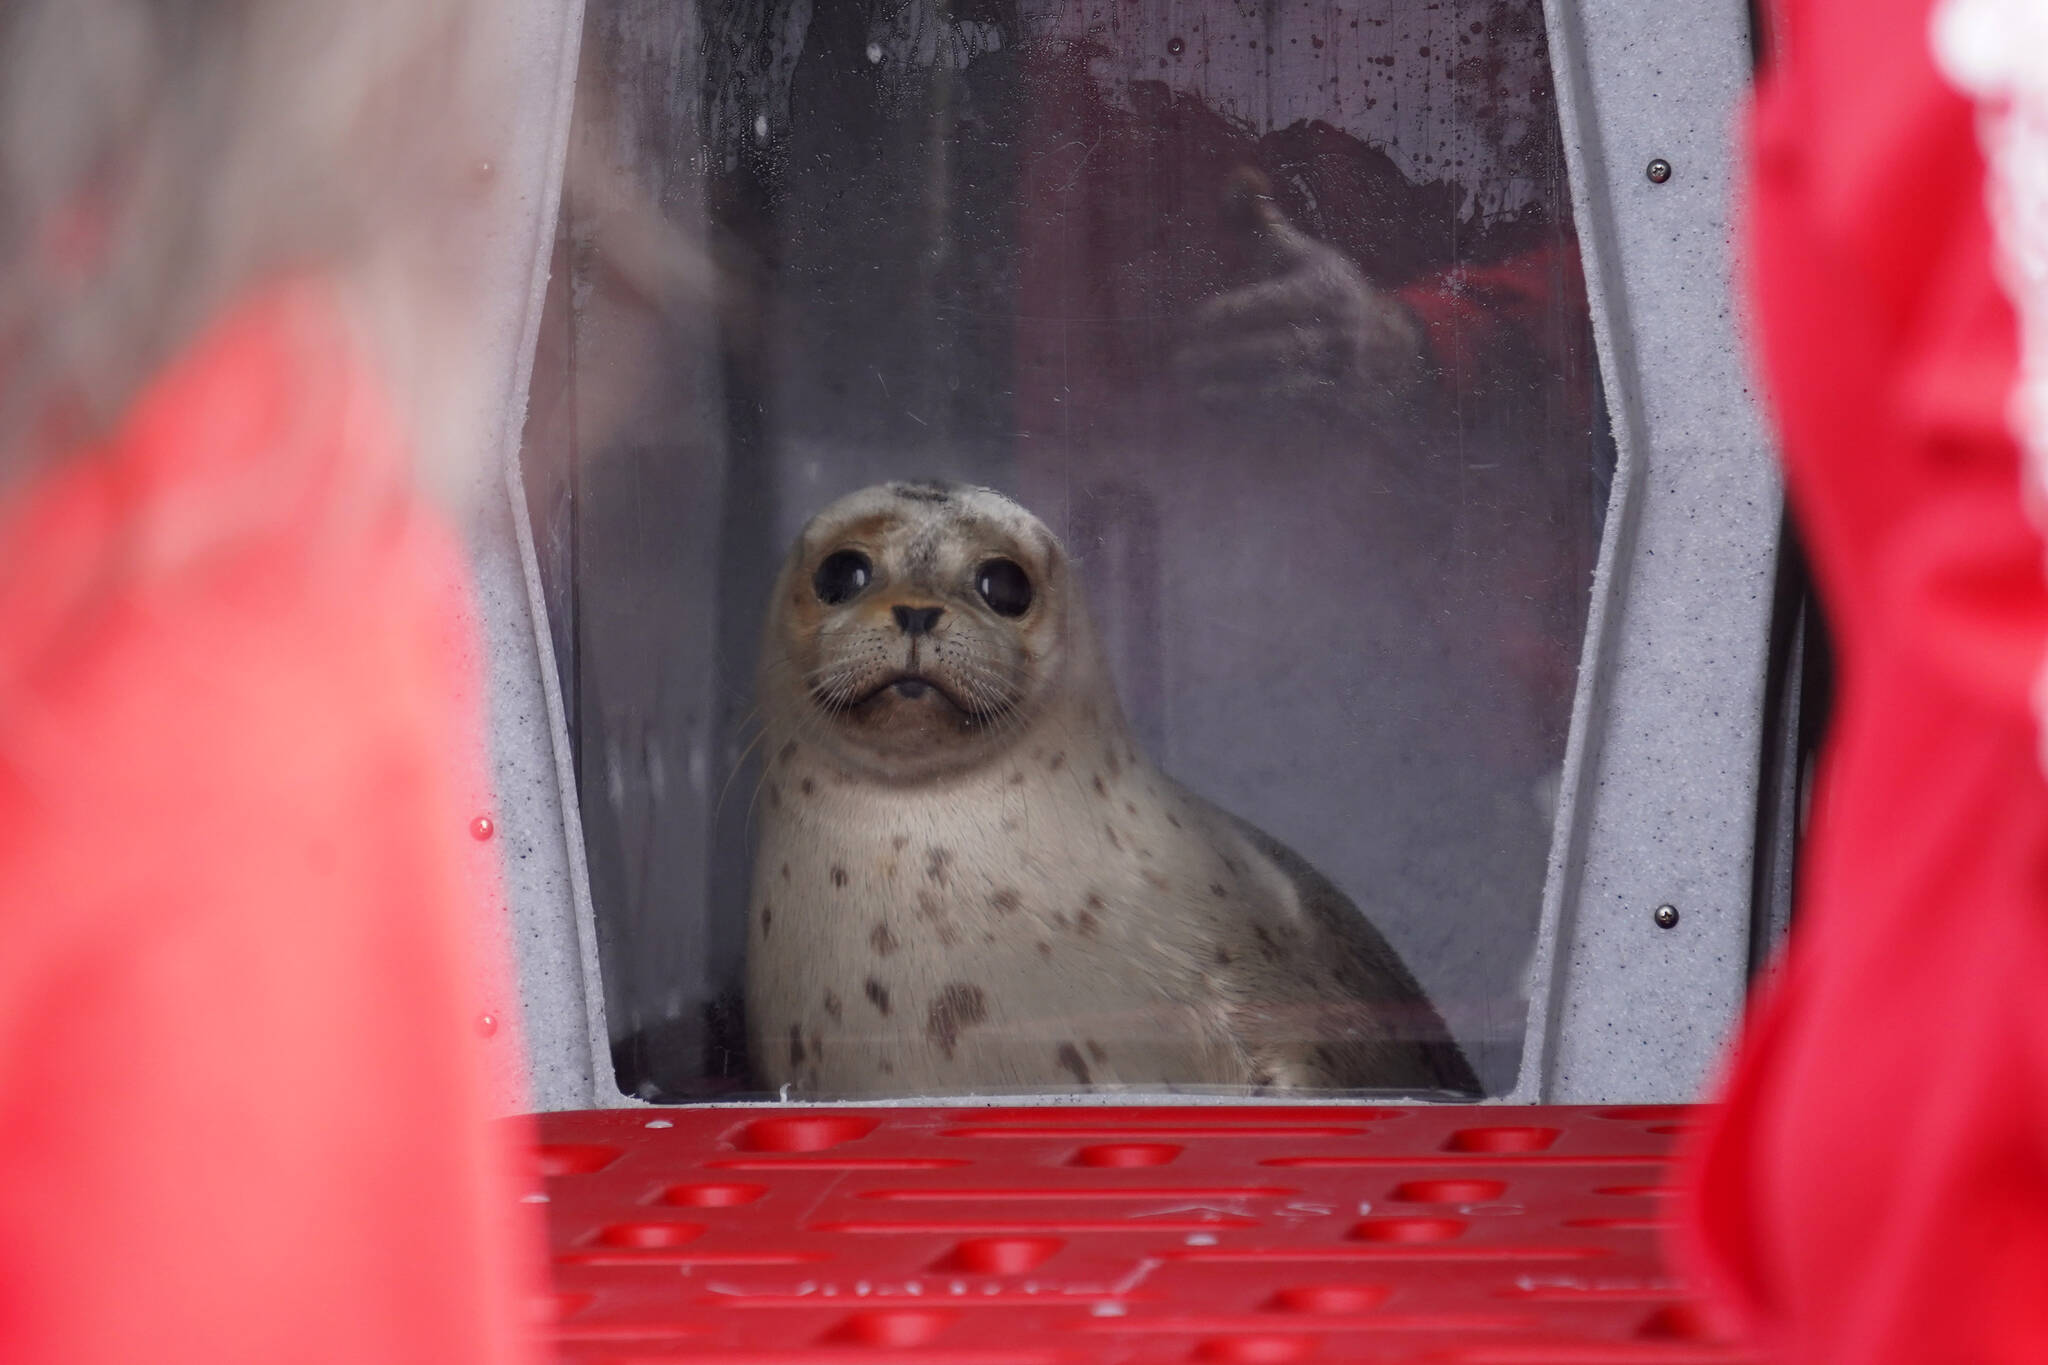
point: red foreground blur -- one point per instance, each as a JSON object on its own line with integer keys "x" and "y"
{"x": 1877, "y": 1192}
{"x": 244, "y": 1110}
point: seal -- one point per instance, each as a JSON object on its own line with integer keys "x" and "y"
{"x": 968, "y": 877}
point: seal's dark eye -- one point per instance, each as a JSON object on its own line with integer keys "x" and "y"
{"x": 841, "y": 577}
{"x": 1003, "y": 584}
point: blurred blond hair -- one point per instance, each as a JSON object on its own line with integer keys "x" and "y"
{"x": 159, "y": 158}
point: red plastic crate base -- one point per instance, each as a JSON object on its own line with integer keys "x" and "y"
{"x": 1073, "y": 1235}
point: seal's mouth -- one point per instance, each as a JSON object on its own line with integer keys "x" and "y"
{"x": 911, "y": 687}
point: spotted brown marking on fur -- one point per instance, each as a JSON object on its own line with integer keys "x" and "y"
{"x": 838, "y": 875}
{"x": 1086, "y": 925}
{"x": 1116, "y": 766}
{"x": 809, "y": 787}
{"x": 900, "y": 842}
{"x": 1115, "y": 841}
{"x": 1130, "y": 808}
{"x": 1060, "y": 920}
{"x": 1096, "y": 1050}
{"x": 1057, "y": 761}
{"x": 1070, "y": 1058}
{"x": 939, "y": 864}
{"x": 1094, "y": 901}
{"x": 785, "y": 872}
{"x": 946, "y": 933}
{"x": 1267, "y": 948}
{"x": 888, "y": 1067}
{"x": 1153, "y": 879}
{"x": 832, "y": 1004}
{"x": 1044, "y": 948}
{"x": 1171, "y": 818}
{"x": 881, "y": 940}
{"x": 796, "y": 1045}
{"x": 1236, "y": 867}
{"x": 767, "y": 919}
{"x": 1216, "y": 890}
{"x": 787, "y": 752}
{"x": 930, "y": 907}
{"x": 1006, "y": 900}
{"x": 1223, "y": 957}
{"x": 960, "y": 1005}
{"x": 1017, "y": 777}
{"x": 774, "y": 797}
{"x": 878, "y": 995}
{"x": 1101, "y": 790}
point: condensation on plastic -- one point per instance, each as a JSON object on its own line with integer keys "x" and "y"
{"x": 976, "y": 240}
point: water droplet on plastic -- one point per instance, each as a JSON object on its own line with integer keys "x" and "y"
{"x": 760, "y": 127}
{"x": 486, "y": 1025}
{"x": 535, "y": 1198}
{"x": 1176, "y": 46}
{"x": 1201, "y": 1239}
{"x": 874, "y": 54}
{"x": 659, "y": 1123}
{"x": 482, "y": 828}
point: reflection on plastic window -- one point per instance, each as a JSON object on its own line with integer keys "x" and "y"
{"x": 1218, "y": 749}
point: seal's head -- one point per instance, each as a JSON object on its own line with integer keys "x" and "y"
{"x": 919, "y": 628}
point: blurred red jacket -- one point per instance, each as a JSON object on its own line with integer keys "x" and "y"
{"x": 248, "y": 942}
{"x": 1877, "y": 1188}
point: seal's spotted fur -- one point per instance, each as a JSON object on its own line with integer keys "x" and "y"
{"x": 970, "y": 880}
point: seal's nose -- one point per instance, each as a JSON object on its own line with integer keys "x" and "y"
{"x": 918, "y": 620}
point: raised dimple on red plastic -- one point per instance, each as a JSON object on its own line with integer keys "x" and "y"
{"x": 1071, "y": 1235}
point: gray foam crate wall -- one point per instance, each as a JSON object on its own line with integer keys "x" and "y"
{"x": 547, "y": 928}
{"x": 1660, "y": 804}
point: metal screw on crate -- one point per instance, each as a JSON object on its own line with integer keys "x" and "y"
{"x": 1659, "y": 171}
{"x": 1666, "y": 917}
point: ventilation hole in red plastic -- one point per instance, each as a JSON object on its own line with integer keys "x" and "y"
{"x": 812, "y": 1134}
{"x": 1677, "y": 1322}
{"x": 891, "y": 1327}
{"x": 1501, "y": 1139}
{"x": 575, "y": 1158}
{"x": 1407, "y": 1229}
{"x": 1449, "y": 1191}
{"x": 1127, "y": 1154}
{"x": 718, "y": 1196}
{"x": 1639, "y": 1191}
{"x": 999, "y": 1255}
{"x": 650, "y": 1236}
{"x": 1329, "y": 1298}
{"x": 1259, "y": 1350}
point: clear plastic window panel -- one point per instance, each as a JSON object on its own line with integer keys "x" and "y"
{"x": 1272, "y": 316}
